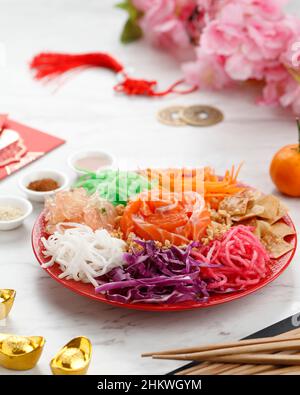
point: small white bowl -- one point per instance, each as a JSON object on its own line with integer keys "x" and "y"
{"x": 35, "y": 175}
{"x": 17, "y": 202}
{"x": 73, "y": 158}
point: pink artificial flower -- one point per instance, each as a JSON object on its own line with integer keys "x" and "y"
{"x": 194, "y": 18}
{"x": 285, "y": 93}
{"x": 142, "y": 5}
{"x": 221, "y": 39}
{"x": 232, "y": 40}
{"x": 162, "y": 26}
{"x": 176, "y": 25}
{"x": 249, "y": 39}
{"x": 207, "y": 72}
{"x": 276, "y": 73}
{"x": 239, "y": 68}
{"x": 232, "y": 13}
{"x": 213, "y": 8}
{"x": 268, "y": 9}
{"x": 291, "y": 96}
{"x": 198, "y": 16}
{"x": 281, "y": 88}
{"x": 291, "y": 57}
{"x": 270, "y": 37}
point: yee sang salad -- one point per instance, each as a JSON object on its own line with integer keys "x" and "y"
{"x": 164, "y": 235}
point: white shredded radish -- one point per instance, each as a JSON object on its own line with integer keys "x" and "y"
{"x": 83, "y": 254}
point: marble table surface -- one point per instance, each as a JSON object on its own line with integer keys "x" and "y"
{"x": 87, "y": 113}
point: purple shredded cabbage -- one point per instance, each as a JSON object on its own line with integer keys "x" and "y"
{"x": 156, "y": 275}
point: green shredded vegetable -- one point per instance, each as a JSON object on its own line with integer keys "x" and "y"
{"x": 114, "y": 185}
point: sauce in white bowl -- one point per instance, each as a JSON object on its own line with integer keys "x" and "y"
{"x": 37, "y": 175}
{"x": 90, "y": 161}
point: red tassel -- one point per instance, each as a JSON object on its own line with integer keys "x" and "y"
{"x": 52, "y": 65}
{"x": 147, "y": 88}
{"x": 136, "y": 87}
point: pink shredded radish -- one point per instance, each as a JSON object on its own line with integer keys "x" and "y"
{"x": 241, "y": 258}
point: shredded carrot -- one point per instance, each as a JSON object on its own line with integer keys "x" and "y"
{"x": 217, "y": 188}
{"x": 204, "y": 181}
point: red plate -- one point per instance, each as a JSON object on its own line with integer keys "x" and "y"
{"x": 278, "y": 266}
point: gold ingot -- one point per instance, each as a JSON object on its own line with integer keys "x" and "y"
{"x": 74, "y": 358}
{"x": 7, "y": 298}
{"x": 20, "y": 352}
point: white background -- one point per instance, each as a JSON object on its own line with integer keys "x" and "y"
{"x": 86, "y": 112}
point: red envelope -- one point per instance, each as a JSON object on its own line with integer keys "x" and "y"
{"x": 21, "y": 145}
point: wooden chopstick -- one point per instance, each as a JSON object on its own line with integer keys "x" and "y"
{"x": 294, "y": 373}
{"x": 207, "y": 368}
{"x": 243, "y": 369}
{"x": 256, "y": 369}
{"x": 248, "y": 370}
{"x": 283, "y": 344}
{"x": 216, "y": 346}
{"x": 198, "y": 366}
{"x": 281, "y": 371}
{"x": 259, "y": 359}
{"x": 213, "y": 369}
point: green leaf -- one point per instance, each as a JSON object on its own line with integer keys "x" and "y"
{"x": 131, "y": 32}
{"x": 127, "y": 6}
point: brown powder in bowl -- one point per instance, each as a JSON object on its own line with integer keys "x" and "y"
{"x": 43, "y": 185}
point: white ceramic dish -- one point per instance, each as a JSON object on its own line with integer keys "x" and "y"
{"x": 35, "y": 175}
{"x": 17, "y": 202}
{"x": 73, "y": 158}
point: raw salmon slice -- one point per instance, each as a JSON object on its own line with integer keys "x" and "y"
{"x": 176, "y": 217}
